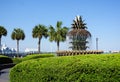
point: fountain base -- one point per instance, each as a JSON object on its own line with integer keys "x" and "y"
{"x": 78, "y": 52}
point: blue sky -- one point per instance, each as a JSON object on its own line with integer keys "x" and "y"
{"x": 102, "y": 18}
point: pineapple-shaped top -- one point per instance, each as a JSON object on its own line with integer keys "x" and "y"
{"x": 78, "y": 23}
{"x": 79, "y": 34}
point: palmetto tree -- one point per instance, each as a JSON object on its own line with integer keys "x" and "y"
{"x": 3, "y": 32}
{"x": 18, "y": 34}
{"x": 79, "y": 34}
{"x": 58, "y": 34}
{"x": 39, "y": 31}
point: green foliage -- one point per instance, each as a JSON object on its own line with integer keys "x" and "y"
{"x": 57, "y": 34}
{"x": 5, "y": 60}
{"x": 2, "y": 56}
{"x": 3, "y": 31}
{"x": 39, "y": 31}
{"x": 33, "y": 56}
{"x": 18, "y": 34}
{"x": 17, "y": 60}
{"x": 87, "y": 68}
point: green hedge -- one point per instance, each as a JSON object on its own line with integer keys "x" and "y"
{"x": 5, "y": 60}
{"x": 33, "y": 56}
{"x": 88, "y": 68}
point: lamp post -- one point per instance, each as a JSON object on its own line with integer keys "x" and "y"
{"x": 96, "y": 43}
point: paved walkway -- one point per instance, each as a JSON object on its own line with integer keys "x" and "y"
{"x": 4, "y": 75}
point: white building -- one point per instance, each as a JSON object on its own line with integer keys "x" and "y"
{"x": 31, "y": 50}
{"x": 6, "y": 49}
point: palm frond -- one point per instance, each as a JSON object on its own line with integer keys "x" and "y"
{"x": 3, "y": 31}
{"x": 18, "y": 34}
{"x": 57, "y": 34}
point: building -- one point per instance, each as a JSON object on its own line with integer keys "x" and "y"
{"x": 5, "y": 49}
{"x": 31, "y": 50}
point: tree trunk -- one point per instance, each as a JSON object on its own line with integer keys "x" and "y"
{"x": 58, "y": 45}
{"x": 39, "y": 45}
{"x": 17, "y": 48}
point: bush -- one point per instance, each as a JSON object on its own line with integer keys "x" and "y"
{"x": 88, "y": 68}
{"x": 5, "y": 60}
{"x": 17, "y": 60}
{"x": 33, "y": 56}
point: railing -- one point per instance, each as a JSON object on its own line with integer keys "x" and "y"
{"x": 76, "y": 52}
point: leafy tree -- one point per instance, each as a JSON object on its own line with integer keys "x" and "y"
{"x": 18, "y": 34}
{"x": 58, "y": 34}
{"x": 3, "y": 32}
{"x": 79, "y": 34}
{"x": 39, "y": 31}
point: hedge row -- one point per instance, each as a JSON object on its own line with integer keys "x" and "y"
{"x": 87, "y": 68}
{"x": 5, "y": 60}
{"x": 33, "y": 56}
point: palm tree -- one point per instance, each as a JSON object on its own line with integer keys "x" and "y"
{"x": 58, "y": 34}
{"x": 79, "y": 34}
{"x": 3, "y": 32}
{"x": 39, "y": 31}
{"x": 18, "y": 34}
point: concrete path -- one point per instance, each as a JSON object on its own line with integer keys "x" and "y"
{"x": 4, "y": 75}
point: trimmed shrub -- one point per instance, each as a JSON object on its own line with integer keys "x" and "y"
{"x": 85, "y": 68}
{"x": 5, "y": 60}
{"x": 33, "y": 56}
{"x": 17, "y": 60}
